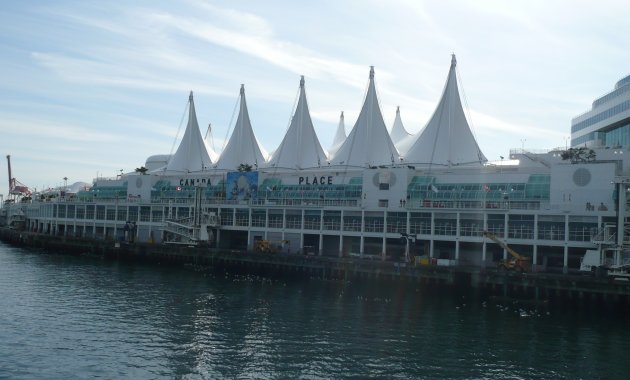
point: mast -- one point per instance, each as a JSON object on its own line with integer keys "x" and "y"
{"x": 10, "y": 178}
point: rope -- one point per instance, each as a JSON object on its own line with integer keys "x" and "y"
{"x": 179, "y": 128}
{"x": 391, "y": 153}
{"x": 365, "y": 93}
{"x": 468, "y": 114}
{"x": 227, "y": 132}
{"x": 291, "y": 116}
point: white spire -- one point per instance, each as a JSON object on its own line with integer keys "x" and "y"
{"x": 368, "y": 143}
{"x": 340, "y": 136}
{"x": 242, "y": 148}
{"x": 300, "y": 147}
{"x": 191, "y": 155}
{"x": 398, "y": 129}
{"x": 447, "y": 138}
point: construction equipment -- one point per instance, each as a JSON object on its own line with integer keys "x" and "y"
{"x": 16, "y": 188}
{"x": 269, "y": 246}
{"x": 264, "y": 246}
{"x": 517, "y": 262}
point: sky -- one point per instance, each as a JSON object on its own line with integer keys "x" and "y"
{"x": 90, "y": 88}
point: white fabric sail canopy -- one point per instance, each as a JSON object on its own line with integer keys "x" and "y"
{"x": 398, "y": 129}
{"x": 447, "y": 138}
{"x": 191, "y": 155}
{"x": 208, "y": 140}
{"x": 369, "y": 142}
{"x": 242, "y": 147}
{"x": 340, "y": 136}
{"x": 300, "y": 147}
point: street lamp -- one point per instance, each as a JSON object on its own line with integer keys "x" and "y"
{"x": 523, "y": 144}
{"x": 65, "y": 183}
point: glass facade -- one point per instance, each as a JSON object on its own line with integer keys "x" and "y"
{"x": 604, "y": 112}
{"x": 424, "y": 188}
{"x": 610, "y": 112}
{"x": 618, "y": 136}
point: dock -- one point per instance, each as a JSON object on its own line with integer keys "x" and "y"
{"x": 540, "y": 285}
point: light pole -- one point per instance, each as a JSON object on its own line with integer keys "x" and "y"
{"x": 523, "y": 145}
{"x": 65, "y": 183}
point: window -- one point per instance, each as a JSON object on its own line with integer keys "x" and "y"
{"x": 383, "y": 203}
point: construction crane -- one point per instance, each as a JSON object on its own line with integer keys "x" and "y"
{"x": 16, "y": 188}
{"x": 517, "y": 262}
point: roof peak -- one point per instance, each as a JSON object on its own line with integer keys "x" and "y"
{"x": 369, "y": 142}
{"x": 447, "y": 138}
{"x": 398, "y": 132}
{"x": 300, "y": 147}
{"x": 242, "y": 146}
{"x": 191, "y": 154}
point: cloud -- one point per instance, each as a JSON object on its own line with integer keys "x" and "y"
{"x": 92, "y": 72}
{"x": 264, "y": 46}
{"x": 491, "y": 124}
{"x": 42, "y": 129}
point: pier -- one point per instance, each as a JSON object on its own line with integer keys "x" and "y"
{"x": 540, "y": 285}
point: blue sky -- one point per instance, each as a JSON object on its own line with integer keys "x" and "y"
{"x": 92, "y": 87}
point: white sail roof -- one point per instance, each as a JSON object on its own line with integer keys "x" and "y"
{"x": 209, "y": 141}
{"x": 191, "y": 155}
{"x": 398, "y": 129}
{"x": 300, "y": 147}
{"x": 368, "y": 143}
{"x": 340, "y": 136}
{"x": 242, "y": 147}
{"x": 447, "y": 138}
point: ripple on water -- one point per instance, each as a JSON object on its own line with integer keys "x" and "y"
{"x": 69, "y": 317}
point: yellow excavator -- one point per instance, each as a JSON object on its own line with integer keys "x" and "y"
{"x": 516, "y": 262}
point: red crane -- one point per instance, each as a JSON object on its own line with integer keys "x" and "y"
{"x": 16, "y": 187}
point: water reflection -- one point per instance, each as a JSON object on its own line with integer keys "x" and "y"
{"x": 85, "y": 317}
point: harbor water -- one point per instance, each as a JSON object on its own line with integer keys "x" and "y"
{"x": 66, "y": 317}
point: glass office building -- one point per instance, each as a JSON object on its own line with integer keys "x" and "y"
{"x": 608, "y": 121}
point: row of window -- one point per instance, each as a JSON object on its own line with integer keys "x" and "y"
{"x": 621, "y": 87}
{"x": 616, "y": 137}
{"x": 621, "y": 107}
